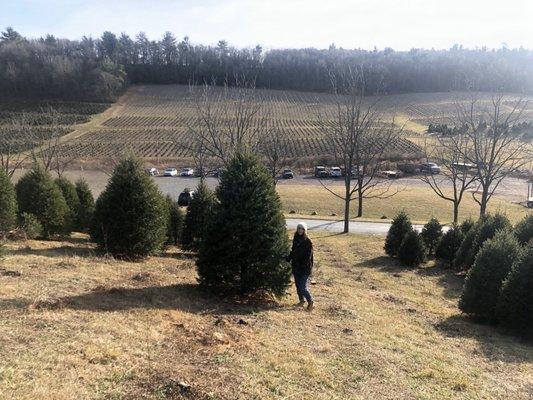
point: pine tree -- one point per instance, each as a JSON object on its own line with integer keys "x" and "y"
{"x": 198, "y": 213}
{"x": 8, "y": 203}
{"x": 85, "y": 212}
{"x": 71, "y": 197}
{"x": 515, "y": 304}
{"x": 246, "y": 241}
{"x": 449, "y": 244}
{"x": 524, "y": 229}
{"x": 412, "y": 251}
{"x": 431, "y": 234}
{"x": 130, "y": 219}
{"x": 175, "y": 221}
{"x": 38, "y": 194}
{"x": 401, "y": 226}
{"x": 484, "y": 280}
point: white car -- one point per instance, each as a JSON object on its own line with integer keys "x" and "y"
{"x": 170, "y": 172}
{"x": 335, "y": 172}
{"x": 187, "y": 172}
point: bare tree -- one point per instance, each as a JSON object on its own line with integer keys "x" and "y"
{"x": 359, "y": 139}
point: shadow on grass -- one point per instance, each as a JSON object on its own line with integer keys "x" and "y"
{"x": 494, "y": 343}
{"x": 69, "y": 251}
{"x": 448, "y": 279}
{"x": 383, "y": 263}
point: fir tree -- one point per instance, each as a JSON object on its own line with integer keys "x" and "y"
{"x": 8, "y": 203}
{"x": 412, "y": 251}
{"x": 86, "y": 206}
{"x": 175, "y": 221}
{"x": 198, "y": 213}
{"x": 71, "y": 197}
{"x": 401, "y": 226}
{"x": 449, "y": 244}
{"x": 431, "y": 234}
{"x": 524, "y": 229}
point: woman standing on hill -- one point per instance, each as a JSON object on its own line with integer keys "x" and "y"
{"x": 301, "y": 258}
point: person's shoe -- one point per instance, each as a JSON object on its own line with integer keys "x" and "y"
{"x": 310, "y": 306}
{"x": 300, "y": 304}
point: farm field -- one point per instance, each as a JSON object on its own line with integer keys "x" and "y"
{"x": 153, "y": 120}
{"x": 75, "y": 324}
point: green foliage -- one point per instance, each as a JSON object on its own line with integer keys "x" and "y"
{"x": 524, "y": 229}
{"x": 466, "y": 225}
{"x": 515, "y": 304}
{"x": 71, "y": 197}
{"x": 431, "y": 234}
{"x": 484, "y": 229}
{"x": 198, "y": 213}
{"x": 30, "y": 225}
{"x": 85, "y": 212}
{"x": 401, "y": 226}
{"x": 38, "y": 194}
{"x": 412, "y": 251}
{"x": 8, "y": 203}
{"x": 449, "y": 245}
{"x": 131, "y": 216}
{"x": 246, "y": 241}
{"x": 175, "y": 221}
{"x": 484, "y": 280}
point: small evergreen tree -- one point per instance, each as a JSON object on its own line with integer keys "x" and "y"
{"x": 71, "y": 198}
{"x": 412, "y": 251}
{"x": 484, "y": 280}
{"x": 466, "y": 225}
{"x": 246, "y": 241}
{"x": 401, "y": 226}
{"x": 8, "y": 203}
{"x": 175, "y": 221}
{"x": 524, "y": 229}
{"x": 85, "y": 212}
{"x": 38, "y": 194}
{"x": 131, "y": 216}
{"x": 515, "y": 304}
{"x": 449, "y": 245}
{"x": 198, "y": 213}
{"x": 431, "y": 234}
{"x": 31, "y": 226}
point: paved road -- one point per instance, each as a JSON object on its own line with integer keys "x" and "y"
{"x": 360, "y": 227}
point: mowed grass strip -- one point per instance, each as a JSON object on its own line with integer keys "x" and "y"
{"x": 75, "y": 324}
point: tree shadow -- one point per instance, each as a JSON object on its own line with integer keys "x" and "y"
{"x": 384, "y": 263}
{"x": 448, "y": 279}
{"x": 54, "y": 252}
{"x": 495, "y": 343}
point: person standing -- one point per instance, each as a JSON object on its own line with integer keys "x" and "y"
{"x": 301, "y": 259}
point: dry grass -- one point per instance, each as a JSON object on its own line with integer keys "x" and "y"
{"x": 77, "y": 325}
{"x": 420, "y": 203}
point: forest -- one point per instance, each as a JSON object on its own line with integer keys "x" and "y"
{"x": 99, "y": 69}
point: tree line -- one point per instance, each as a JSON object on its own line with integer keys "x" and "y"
{"x": 99, "y": 69}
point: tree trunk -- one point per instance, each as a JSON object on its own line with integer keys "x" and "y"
{"x": 455, "y": 212}
{"x": 346, "y": 215}
{"x": 360, "y": 202}
{"x": 484, "y": 202}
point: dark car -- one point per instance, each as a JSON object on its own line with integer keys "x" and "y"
{"x": 287, "y": 174}
{"x": 185, "y": 198}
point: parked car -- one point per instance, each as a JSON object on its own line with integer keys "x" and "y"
{"x": 287, "y": 174}
{"x": 391, "y": 174}
{"x": 152, "y": 171}
{"x": 357, "y": 171}
{"x": 185, "y": 197}
{"x": 408, "y": 168}
{"x": 430, "y": 168}
{"x": 170, "y": 172}
{"x": 321, "y": 172}
{"x": 335, "y": 172}
{"x": 187, "y": 172}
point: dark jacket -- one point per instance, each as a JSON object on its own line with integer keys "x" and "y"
{"x": 301, "y": 256}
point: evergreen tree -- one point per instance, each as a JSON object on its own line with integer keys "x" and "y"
{"x": 175, "y": 221}
{"x": 8, "y": 203}
{"x": 401, "y": 226}
{"x": 466, "y": 225}
{"x": 431, "y": 234}
{"x": 484, "y": 280}
{"x": 449, "y": 245}
{"x": 85, "y": 210}
{"x": 30, "y": 225}
{"x": 246, "y": 241}
{"x": 130, "y": 219}
{"x": 198, "y": 213}
{"x": 524, "y": 229}
{"x": 412, "y": 251}
{"x": 38, "y": 194}
{"x": 515, "y": 304}
{"x": 71, "y": 197}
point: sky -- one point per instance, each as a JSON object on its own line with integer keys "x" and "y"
{"x": 400, "y": 24}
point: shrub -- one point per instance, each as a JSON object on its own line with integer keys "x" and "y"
{"x": 245, "y": 244}
{"x": 466, "y": 225}
{"x": 515, "y": 304}
{"x": 412, "y": 251}
{"x": 8, "y": 203}
{"x": 31, "y": 226}
{"x": 71, "y": 198}
{"x": 85, "y": 212}
{"x": 431, "y": 234}
{"x": 130, "y": 218}
{"x": 449, "y": 245}
{"x": 198, "y": 213}
{"x": 484, "y": 280}
{"x": 401, "y": 225}
{"x": 524, "y": 229}
{"x": 37, "y": 194}
{"x": 175, "y": 221}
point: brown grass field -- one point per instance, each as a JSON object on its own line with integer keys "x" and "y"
{"x": 75, "y": 324}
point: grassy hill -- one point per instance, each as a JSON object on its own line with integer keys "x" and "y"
{"x": 75, "y": 324}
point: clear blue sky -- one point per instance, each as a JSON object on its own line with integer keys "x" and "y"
{"x": 401, "y": 24}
